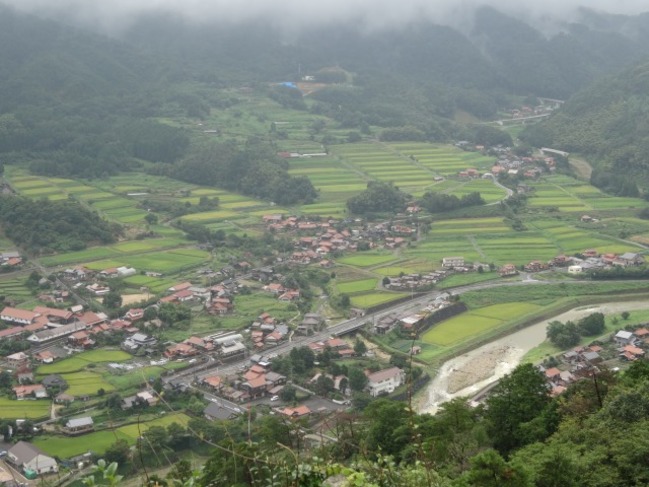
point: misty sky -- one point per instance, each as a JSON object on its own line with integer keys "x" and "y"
{"x": 111, "y": 14}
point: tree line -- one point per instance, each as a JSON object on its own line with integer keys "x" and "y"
{"x": 46, "y": 226}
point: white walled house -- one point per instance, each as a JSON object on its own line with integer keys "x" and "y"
{"x": 385, "y": 381}
{"x": 27, "y": 457}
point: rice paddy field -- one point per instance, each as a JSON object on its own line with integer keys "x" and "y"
{"x": 86, "y": 383}
{"x": 570, "y": 195}
{"x": 14, "y": 288}
{"x": 369, "y": 299}
{"x": 12, "y": 409}
{"x": 379, "y": 162}
{"x": 82, "y": 360}
{"x": 443, "y": 159}
{"x": 351, "y": 287}
{"x": 367, "y": 259}
{"x": 473, "y": 323}
{"x": 98, "y": 442}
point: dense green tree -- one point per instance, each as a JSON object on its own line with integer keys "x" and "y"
{"x": 563, "y": 335}
{"x": 359, "y": 347}
{"x": 518, "y": 398}
{"x": 377, "y": 198}
{"x": 357, "y": 379}
{"x": 119, "y": 452}
{"x": 593, "y": 324}
{"x": 113, "y": 300}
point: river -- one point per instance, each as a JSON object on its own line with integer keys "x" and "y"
{"x": 469, "y": 373}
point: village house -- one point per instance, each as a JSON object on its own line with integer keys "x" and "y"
{"x": 214, "y": 382}
{"x": 631, "y": 353}
{"x": 134, "y": 314}
{"x": 79, "y": 426}
{"x": 310, "y": 323}
{"x": 385, "y": 381}
{"x": 630, "y": 258}
{"x": 81, "y": 339}
{"x": 18, "y": 359}
{"x": 57, "y": 332}
{"x": 134, "y": 343}
{"x": 18, "y": 316}
{"x": 450, "y": 262}
{"x": 507, "y": 270}
{"x": 98, "y": 289}
{"x": 11, "y": 332}
{"x": 54, "y": 382}
{"x": 141, "y": 398}
{"x": 180, "y": 350}
{"x": 54, "y": 315}
{"x": 295, "y": 412}
{"x": 35, "y": 391}
{"x": 624, "y": 337}
{"x": 24, "y": 375}
{"x": 29, "y": 458}
{"x": 216, "y": 412}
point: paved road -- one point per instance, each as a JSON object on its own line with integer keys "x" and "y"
{"x": 413, "y": 305}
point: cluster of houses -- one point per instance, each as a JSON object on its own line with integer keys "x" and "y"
{"x": 525, "y": 167}
{"x": 225, "y": 347}
{"x": 256, "y": 382}
{"x": 43, "y": 324}
{"x": 411, "y": 321}
{"x": 217, "y": 300}
{"x": 316, "y": 240}
{"x": 583, "y": 362}
{"x": 417, "y": 281}
{"x": 591, "y": 259}
{"x": 282, "y": 293}
{"x": 10, "y": 260}
{"x": 267, "y": 331}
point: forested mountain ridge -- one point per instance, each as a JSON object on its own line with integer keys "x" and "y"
{"x": 77, "y": 104}
{"x": 607, "y": 121}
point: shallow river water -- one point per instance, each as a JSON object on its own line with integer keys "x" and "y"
{"x": 469, "y": 373}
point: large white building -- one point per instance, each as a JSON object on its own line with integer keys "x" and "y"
{"x": 385, "y": 381}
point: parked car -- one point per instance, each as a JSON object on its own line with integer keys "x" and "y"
{"x": 274, "y": 398}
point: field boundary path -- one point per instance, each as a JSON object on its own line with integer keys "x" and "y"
{"x": 471, "y": 238}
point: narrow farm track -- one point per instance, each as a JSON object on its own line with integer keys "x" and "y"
{"x": 471, "y": 238}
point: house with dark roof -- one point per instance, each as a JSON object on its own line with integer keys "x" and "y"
{"x": 54, "y": 381}
{"x": 28, "y": 458}
{"x": 215, "y": 411}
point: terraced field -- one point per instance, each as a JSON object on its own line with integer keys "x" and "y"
{"x": 571, "y": 240}
{"x": 98, "y": 442}
{"x": 378, "y": 162}
{"x": 14, "y": 288}
{"x": 443, "y": 159}
{"x": 570, "y": 195}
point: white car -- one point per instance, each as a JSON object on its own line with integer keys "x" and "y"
{"x": 274, "y": 398}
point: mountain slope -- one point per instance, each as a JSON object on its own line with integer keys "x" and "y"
{"x": 608, "y": 121}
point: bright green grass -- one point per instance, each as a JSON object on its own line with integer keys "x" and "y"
{"x": 209, "y": 216}
{"x": 85, "y": 383}
{"x": 12, "y": 409}
{"x": 467, "y": 278}
{"x": 476, "y": 322}
{"x": 366, "y": 259}
{"x": 100, "y": 441}
{"x": 368, "y": 300}
{"x": 356, "y": 286}
{"x": 98, "y": 356}
{"x": 81, "y": 361}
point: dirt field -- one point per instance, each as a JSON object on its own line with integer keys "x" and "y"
{"x": 135, "y": 298}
